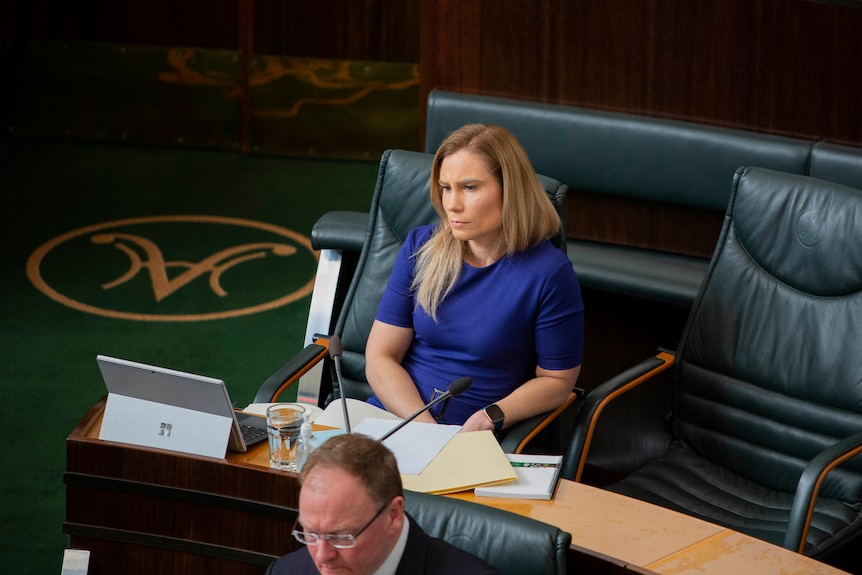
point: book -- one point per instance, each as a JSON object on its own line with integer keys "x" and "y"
{"x": 536, "y": 478}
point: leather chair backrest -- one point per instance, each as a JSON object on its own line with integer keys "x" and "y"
{"x": 836, "y": 163}
{"x": 627, "y": 155}
{"x": 512, "y": 543}
{"x": 770, "y": 364}
{"x": 400, "y": 203}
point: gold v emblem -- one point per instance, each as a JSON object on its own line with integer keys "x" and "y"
{"x": 70, "y": 269}
{"x": 153, "y": 261}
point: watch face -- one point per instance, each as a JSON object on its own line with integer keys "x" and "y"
{"x": 494, "y": 412}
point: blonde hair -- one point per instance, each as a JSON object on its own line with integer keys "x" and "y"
{"x": 528, "y": 215}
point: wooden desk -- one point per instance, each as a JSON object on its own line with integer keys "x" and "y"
{"x": 141, "y": 510}
{"x": 144, "y": 511}
{"x": 609, "y": 524}
{"x": 652, "y": 538}
{"x": 734, "y": 552}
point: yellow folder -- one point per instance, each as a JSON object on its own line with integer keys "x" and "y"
{"x": 468, "y": 460}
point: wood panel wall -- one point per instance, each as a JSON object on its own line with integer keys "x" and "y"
{"x": 376, "y": 30}
{"x": 359, "y": 44}
{"x": 791, "y": 67}
{"x": 190, "y": 23}
{"x": 781, "y": 66}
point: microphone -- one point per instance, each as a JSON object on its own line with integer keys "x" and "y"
{"x": 457, "y": 387}
{"x": 336, "y": 348}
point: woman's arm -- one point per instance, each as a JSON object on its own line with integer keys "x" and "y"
{"x": 545, "y": 392}
{"x": 386, "y": 347}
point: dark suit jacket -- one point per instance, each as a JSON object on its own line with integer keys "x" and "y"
{"x": 423, "y": 554}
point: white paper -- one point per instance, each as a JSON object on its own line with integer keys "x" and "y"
{"x": 75, "y": 562}
{"x": 357, "y": 410}
{"x": 414, "y": 445}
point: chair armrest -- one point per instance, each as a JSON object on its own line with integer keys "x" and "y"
{"x": 598, "y": 399}
{"x": 520, "y": 434}
{"x": 809, "y": 486}
{"x": 340, "y": 230}
{"x": 290, "y": 372}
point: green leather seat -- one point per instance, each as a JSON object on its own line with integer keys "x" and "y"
{"x": 514, "y": 544}
{"x": 766, "y": 425}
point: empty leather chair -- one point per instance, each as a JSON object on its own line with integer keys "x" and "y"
{"x": 766, "y": 421}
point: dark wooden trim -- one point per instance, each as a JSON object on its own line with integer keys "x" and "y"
{"x": 113, "y": 484}
{"x": 168, "y": 543}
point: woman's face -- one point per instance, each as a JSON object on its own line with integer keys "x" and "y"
{"x": 472, "y": 199}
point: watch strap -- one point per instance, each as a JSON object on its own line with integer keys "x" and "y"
{"x": 495, "y": 416}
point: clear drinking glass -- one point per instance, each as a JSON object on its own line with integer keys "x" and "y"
{"x": 283, "y": 422}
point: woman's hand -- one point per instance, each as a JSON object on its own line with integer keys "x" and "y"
{"x": 384, "y": 352}
{"x": 477, "y": 422}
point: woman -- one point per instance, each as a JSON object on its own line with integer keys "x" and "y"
{"x": 483, "y": 294}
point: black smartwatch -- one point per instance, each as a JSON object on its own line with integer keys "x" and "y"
{"x": 495, "y": 415}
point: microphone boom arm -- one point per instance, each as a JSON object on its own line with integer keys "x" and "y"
{"x": 457, "y": 387}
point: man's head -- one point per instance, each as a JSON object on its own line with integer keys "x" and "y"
{"x": 350, "y": 485}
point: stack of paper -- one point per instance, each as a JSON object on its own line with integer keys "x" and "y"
{"x": 431, "y": 458}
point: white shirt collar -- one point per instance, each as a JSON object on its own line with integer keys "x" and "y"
{"x": 391, "y": 564}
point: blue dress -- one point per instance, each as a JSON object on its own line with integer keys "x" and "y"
{"x": 495, "y": 326}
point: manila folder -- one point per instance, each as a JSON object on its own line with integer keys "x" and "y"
{"x": 468, "y": 460}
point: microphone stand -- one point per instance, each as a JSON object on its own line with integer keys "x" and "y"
{"x": 336, "y": 348}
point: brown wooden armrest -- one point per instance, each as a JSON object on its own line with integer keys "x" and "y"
{"x": 599, "y": 398}
{"x": 290, "y": 372}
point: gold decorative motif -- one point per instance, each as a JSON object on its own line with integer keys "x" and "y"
{"x": 144, "y": 255}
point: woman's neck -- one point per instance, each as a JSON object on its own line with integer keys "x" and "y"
{"x": 480, "y": 256}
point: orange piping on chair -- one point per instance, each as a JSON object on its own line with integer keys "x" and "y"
{"x": 820, "y": 478}
{"x": 323, "y": 342}
{"x": 535, "y": 431}
{"x": 667, "y": 358}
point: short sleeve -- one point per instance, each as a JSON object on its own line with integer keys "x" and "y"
{"x": 560, "y": 325}
{"x": 397, "y": 304}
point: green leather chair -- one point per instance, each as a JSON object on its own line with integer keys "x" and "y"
{"x": 514, "y": 544}
{"x": 348, "y": 287}
{"x": 766, "y": 424}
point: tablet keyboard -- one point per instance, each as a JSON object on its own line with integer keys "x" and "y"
{"x": 252, "y": 434}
